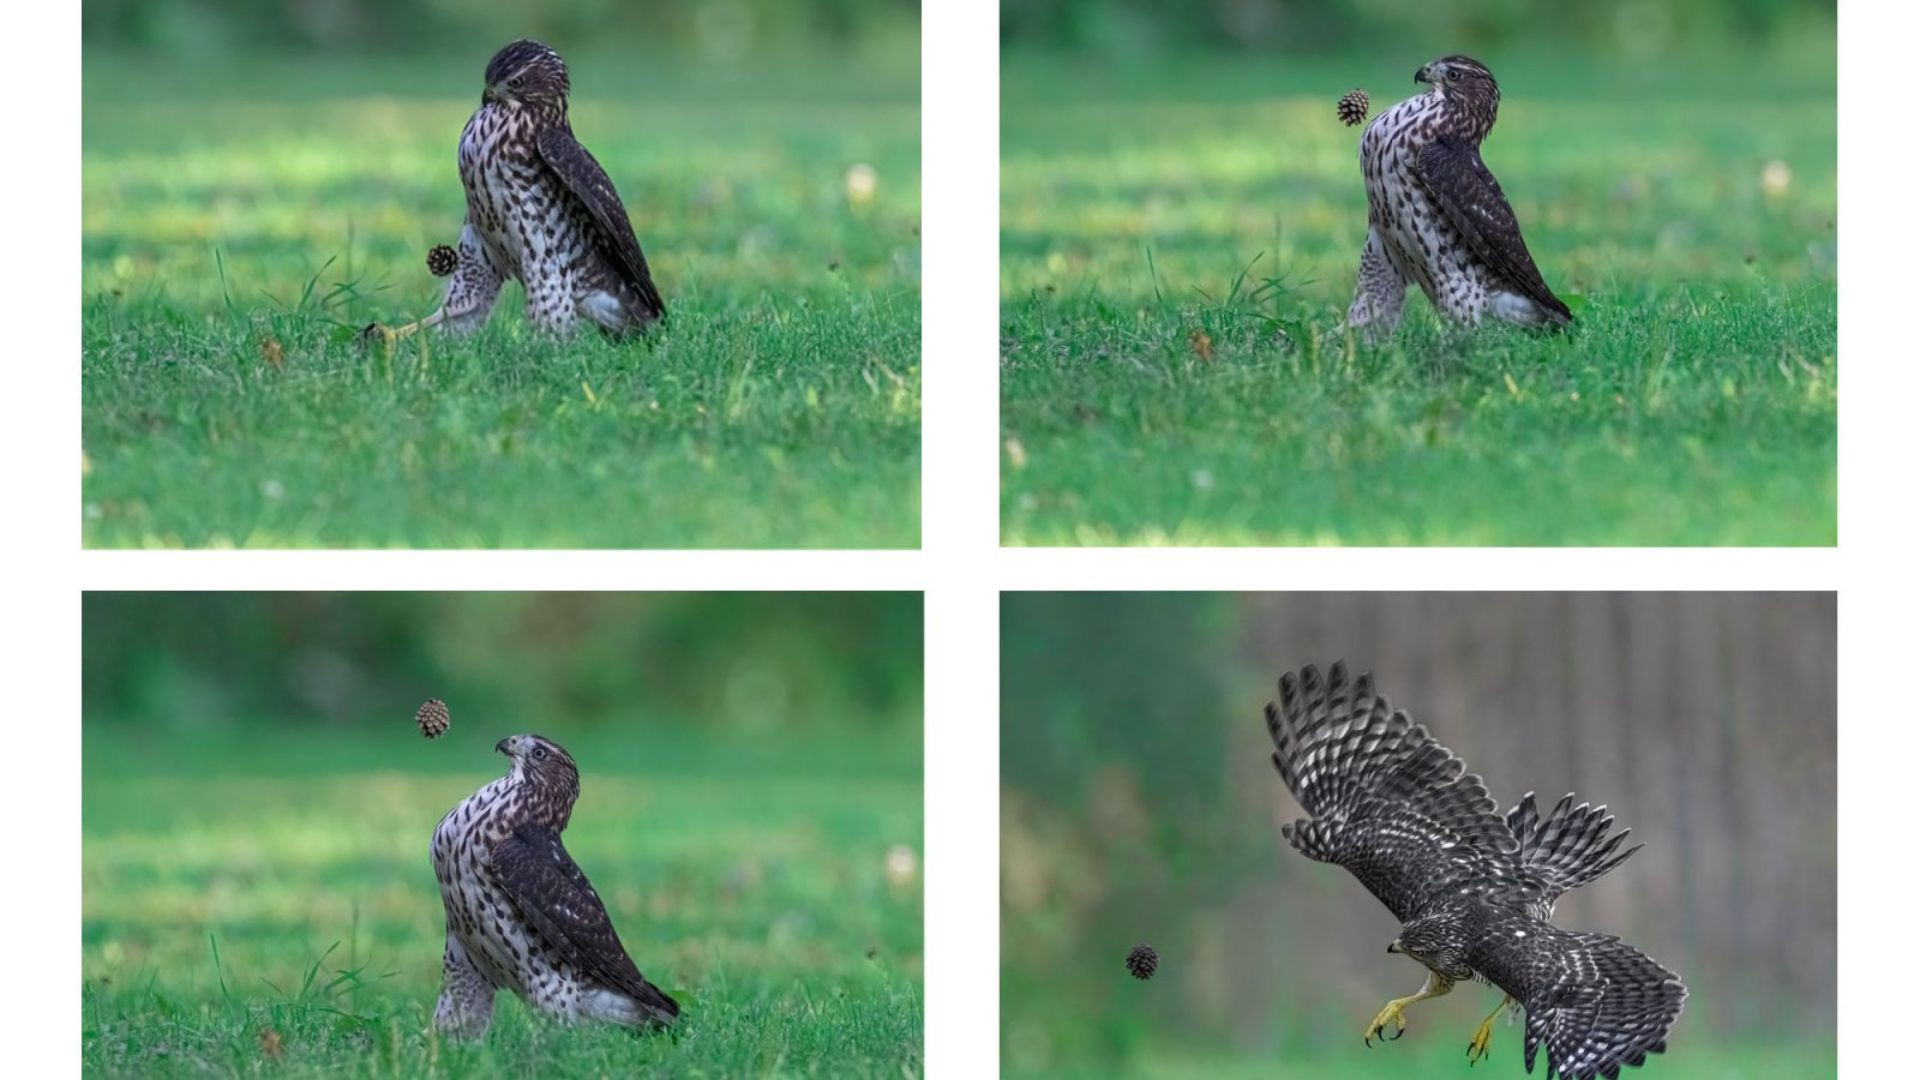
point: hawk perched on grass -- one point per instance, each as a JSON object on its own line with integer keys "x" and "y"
{"x": 521, "y": 915}
{"x": 1437, "y": 218}
{"x": 1473, "y": 891}
{"x": 542, "y": 211}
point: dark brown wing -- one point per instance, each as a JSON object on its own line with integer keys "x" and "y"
{"x": 1397, "y": 809}
{"x": 1452, "y": 173}
{"x": 589, "y": 183}
{"x": 555, "y": 898}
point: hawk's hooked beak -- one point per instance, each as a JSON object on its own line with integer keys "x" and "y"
{"x": 1425, "y": 74}
{"x": 1394, "y": 946}
{"x": 501, "y": 746}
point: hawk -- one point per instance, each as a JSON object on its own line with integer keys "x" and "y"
{"x": 521, "y": 915}
{"x": 1437, "y": 218}
{"x": 541, "y": 211}
{"x": 1473, "y": 890}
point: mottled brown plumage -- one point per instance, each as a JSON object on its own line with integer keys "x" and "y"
{"x": 1436, "y": 216}
{"x": 520, "y": 913}
{"x": 541, "y": 211}
{"x": 1473, "y": 890}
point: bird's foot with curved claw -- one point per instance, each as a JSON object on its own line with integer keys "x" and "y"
{"x": 1394, "y": 1013}
{"x": 1477, "y": 1049}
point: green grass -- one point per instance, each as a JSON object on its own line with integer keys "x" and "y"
{"x": 239, "y": 222}
{"x": 1771, "y": 1061}
{"x": 244, "y": 889}
{"x": 1145, "y": 204}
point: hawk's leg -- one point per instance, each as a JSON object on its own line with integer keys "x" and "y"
{"x": 471, "y": 292}
{"x": 1395, "y": 1010}
{"x": 466, "y": 997}
{"x": 1381, "y": 293}
{"x": 1477, "y": 1049}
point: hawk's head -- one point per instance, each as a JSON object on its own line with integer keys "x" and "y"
{"x": 526, "y": 73}
{"x": 541, "y": 763}
{"x": 1441, "y": 941}
{"x": 1467, "y": 86}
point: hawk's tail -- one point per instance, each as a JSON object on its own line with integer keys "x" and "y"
{"x": 1616, "y": 1015}
{"x": 664, "y": 1009}
{"x": 1569, "y": 847}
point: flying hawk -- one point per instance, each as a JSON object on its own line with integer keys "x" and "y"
{"x": 1473, "y": 890}
{"x": 521, "y": 915}
{"x": 1437, "y": 218}
{"x": 541, "y": 210}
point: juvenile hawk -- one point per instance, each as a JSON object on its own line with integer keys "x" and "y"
{"x": 521, "y": 915}
{"x": 1437, "y": 218}
{"x": 541, "y": 210}
{"x": 1473, "y": 891}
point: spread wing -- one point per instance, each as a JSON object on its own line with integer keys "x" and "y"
{"x": 1568, "y": 848}
{"x": 1593, "y": 1002}
{"x": 1450, "y": 170}
{"x": 555, "y": 898}
{"x": 589, "y": 183}
{"x": 1389, "y": 803}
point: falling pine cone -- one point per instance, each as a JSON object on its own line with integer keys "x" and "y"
{"x": 432, "y": 718}
{"x": 1353, "y": 107}
{"x": 441, "y": 260}
{"x": 1142, "y": 961}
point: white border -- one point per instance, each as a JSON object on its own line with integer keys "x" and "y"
{"x": 961, "y": 568}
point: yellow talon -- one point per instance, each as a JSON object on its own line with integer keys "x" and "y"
{"x": 1477, "y": 1049}
{"x": 1395, "y": 1012}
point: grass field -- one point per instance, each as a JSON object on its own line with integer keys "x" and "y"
{"x": 241, "y": 221}
{"x": 264, "y": 903}
{"x": 1320, "y": 1058}
{"x": 1179, "y": 241}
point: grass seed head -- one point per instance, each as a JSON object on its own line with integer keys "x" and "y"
{"x": 433, "y": 718}
{"x": 1353, "y": 107}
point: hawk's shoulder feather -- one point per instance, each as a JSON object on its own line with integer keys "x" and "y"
{"x": 1459, "y": 182}
{"x": 549, "y": 890}
{"x": 581, "y": 173}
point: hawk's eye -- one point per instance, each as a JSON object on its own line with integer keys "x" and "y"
{"x": 514, "y": 82}
{"x": 1453, "y": 74}
{"x": 539, "y": 753}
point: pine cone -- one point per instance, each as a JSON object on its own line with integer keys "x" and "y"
{"x": 1142, "y": 961}
{"x": 442, "y": 259}
{"x": 433, "y": 718}
{"x": 1353, "y": 107}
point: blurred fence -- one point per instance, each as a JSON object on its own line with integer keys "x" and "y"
{"x": 1635, "y": 26}
{"x": 713, "y": 26}
{"x": 1138, "y": 801}
{"x": 749, "y": 662}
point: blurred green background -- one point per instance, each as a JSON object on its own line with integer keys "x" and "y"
{"x": 1138, "y": 804}
{"x": 261, "y": 180}
{"x": 1307, "y": 26}
{"x": 712, "y": 27}
{"x": 1181, "y": 221}
{"x": 257, "y": 802}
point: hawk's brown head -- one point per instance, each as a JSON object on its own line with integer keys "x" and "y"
{"x": 1468, "y": 89}
{"x": 1441, "y": 941}
{"x": 542, "y": 765}
{"x": 526, "y": 73}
